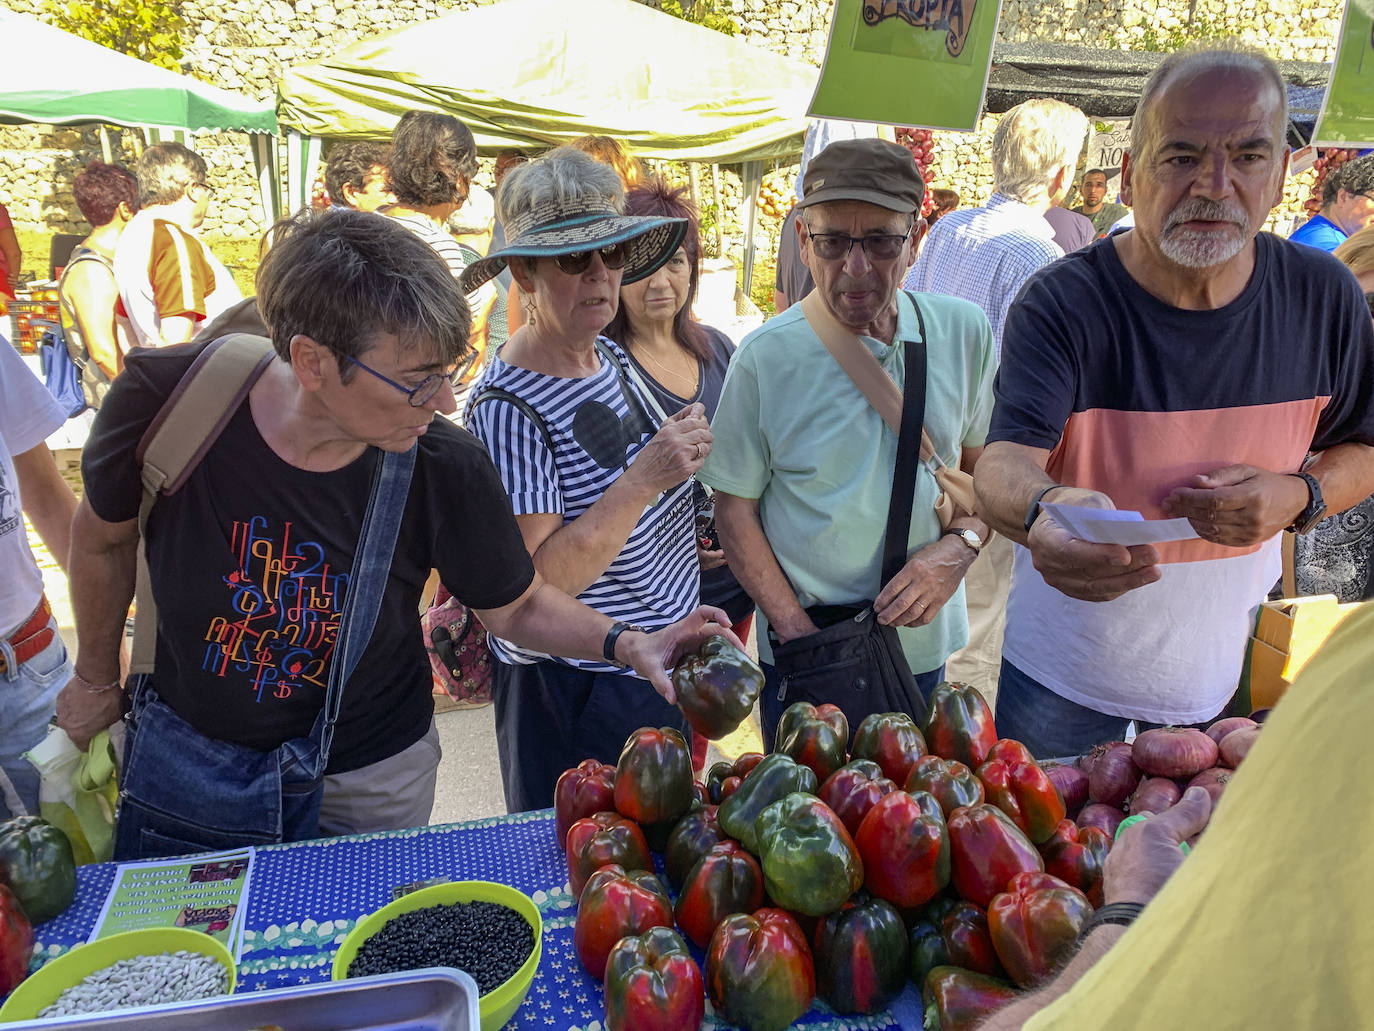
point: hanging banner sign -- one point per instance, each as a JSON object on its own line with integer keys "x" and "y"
{"x": 1347, "y": 115}
{"x": 908, "y": 62}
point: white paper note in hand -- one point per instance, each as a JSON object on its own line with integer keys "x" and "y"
{"x": 1113, "y": 526}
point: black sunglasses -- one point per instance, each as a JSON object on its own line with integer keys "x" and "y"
{"x": 612, "y": 256}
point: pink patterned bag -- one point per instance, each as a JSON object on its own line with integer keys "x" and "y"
{"x": 459, "y": 658}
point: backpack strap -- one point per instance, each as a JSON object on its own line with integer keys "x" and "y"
{"x": 73, "y": 337}
{"x": 523, "y": 406}
{"x": 177, "y": 440}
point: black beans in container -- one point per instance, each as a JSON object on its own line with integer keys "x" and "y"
{"x": 486, "y": 939}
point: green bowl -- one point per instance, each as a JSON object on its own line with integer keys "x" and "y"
{"x": 499, "y": 1004}
{"x": 41, "y": 989}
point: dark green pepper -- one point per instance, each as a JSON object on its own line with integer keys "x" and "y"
{"x": 815, "y": 736}
{"x": 861, "y": 955}
{"x": 810, "y": 863}
{"x": 961, "y": 1000}
{"x": 37, "y": 864}
{"x": 927, "y": 947}
{"x": 691, "y": 839}
{"x": 776, "y": 777}
{"x": 717, "y": 687}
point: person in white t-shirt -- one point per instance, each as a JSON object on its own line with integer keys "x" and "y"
{"x": 33, "y": 660}
{"x": 169, "y": 281}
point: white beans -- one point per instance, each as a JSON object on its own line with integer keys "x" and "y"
{"x": 143, "y": 981}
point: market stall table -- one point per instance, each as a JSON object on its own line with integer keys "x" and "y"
{"x": 305, "y": 897}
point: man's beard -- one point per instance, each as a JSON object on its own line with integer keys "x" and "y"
{"x": 1203, "y": 248}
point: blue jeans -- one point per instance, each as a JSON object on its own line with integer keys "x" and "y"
{"x": 1051, "y": 726}
{"x": 28, "y": 699}
{"x": 771, "y": 707}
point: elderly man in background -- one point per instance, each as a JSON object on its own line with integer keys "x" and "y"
{"x": 985, "y": 255}
{"x": 1103, "y": 213}
{"x": 169, "y": 281}
{"x": 1347, "y": 206}
{"x": 355, "y": 176}
{"x": 1217, "y": 359}
{"x": 803, "y": 464}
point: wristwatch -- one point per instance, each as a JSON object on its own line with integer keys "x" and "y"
{"x": 1033, "y": 509}
{"x": 969, "y": 537}
{"x": 1315, "y": 511}
{"x": 613, "y": 635}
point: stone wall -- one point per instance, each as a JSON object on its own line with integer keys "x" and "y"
{"x": 243, "y": 44}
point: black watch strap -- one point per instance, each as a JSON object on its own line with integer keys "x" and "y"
{"x": 1033, "y": 509}
{"x": 1316, "y": 505}
{"x": 1122, "y": 913}
{"x": 613, "y": 635}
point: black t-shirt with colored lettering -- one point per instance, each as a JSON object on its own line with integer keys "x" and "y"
{"x": 250, "y": 563}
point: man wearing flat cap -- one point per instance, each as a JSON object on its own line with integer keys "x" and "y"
{"x": 803, "y": 464}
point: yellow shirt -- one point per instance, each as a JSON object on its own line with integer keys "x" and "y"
{"x": 1270, "y": 922}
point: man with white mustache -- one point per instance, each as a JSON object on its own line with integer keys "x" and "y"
{"x": 1184, "y": 368}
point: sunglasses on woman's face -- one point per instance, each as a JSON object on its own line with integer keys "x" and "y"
{"x": 574, "y": 264}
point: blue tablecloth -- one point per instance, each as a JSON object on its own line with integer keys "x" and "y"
{"x": 304, "y": 898}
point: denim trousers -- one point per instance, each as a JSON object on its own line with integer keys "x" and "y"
{"x": 1051, "y": 726}
{"x": 771, "y": 707}
{"x": 28, "y": 698}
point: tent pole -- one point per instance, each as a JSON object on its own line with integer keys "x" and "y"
{"x": 752, "y": 176}
{"x": 105, "y": 154}
{"x": 694, "y": 184}
{"x": 720, "y": 209}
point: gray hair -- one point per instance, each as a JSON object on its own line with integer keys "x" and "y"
{"x": 1222, "y": 55}
{"x": 1032, "y": 142}
{"x": 565, "y": 175}
{"x": 165, "y": 171}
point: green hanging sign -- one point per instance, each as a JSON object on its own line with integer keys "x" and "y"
{"x": 908, "y": 62}
{"x": 1347, "y": 115}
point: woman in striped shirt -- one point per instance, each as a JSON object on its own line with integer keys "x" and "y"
{"x": 601, "y": 491}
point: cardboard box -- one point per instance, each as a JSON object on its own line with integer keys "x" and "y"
{"x": 1287, "y": 634}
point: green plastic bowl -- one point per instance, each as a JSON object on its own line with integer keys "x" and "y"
{"x": 41, "y": 989}
{"x": 499, "y": 1004}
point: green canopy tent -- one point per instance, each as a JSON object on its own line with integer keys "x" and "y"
{"x": 52, "y": 77}
{"x": 536, "y": 73}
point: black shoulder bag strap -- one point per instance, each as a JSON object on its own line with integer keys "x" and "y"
{"x": 908, "y": 458}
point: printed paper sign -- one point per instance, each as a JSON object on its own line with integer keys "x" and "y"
{"x": 1347, "y": 115}
{"x": 907, "y": 62}
{"x": 1114, "y": 526}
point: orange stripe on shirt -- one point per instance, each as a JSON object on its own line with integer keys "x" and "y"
{"x": 178, "y": 272}
{"x": 1138, "y": 458}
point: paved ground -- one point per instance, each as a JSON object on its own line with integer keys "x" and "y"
{"x": 469, "y": 780}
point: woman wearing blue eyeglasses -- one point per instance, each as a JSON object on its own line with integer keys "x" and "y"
{"x": 601, "y": 491}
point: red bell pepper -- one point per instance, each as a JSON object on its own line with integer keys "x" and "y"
{"x": 968, "y": 940}
{"x": 892, "y": 740}
{"x": 652, "y": 983}
{"x": 727, "y": 879}
{"x": 861, "y": 955}
{"x": 1024, "y": 792}
{"x": 961, "y": 1000}
{"x": 716, "y": 687}
{"x": 586, "y": 789}
{"x": 759, "y": 970}
{"x": 949, "y": 781}
{"x": 986, "y": 851}
{"x": 905, "y": 849}
{"x": 1034, "y": 925}
{"x": 723, "y": 777}
{"x": 1076, "y": 856}
{"x": 1009, "y": 750}
{"x": 816, "y": 736}
{"x": 653, "y": 778}
{"x": 852, "y": 790}
{"x": 16, "y": 942}
{"x": 959, "y": 724}
{"x": 603, "y": 839}
{"x": 692, "y": 838}
{"x": 617, "y": 902}
{"x": 810, "y": 863}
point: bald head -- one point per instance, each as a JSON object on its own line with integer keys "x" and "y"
{"x": 1229, "y": 56}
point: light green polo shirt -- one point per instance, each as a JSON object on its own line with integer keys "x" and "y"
{"x": 793, "y": 431}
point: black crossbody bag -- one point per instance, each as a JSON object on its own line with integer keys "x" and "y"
{"x": 853, "y": 661}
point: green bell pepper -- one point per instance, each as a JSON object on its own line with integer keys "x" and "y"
{"x": 776, "y": 777}
{"x": 810, "y": 863}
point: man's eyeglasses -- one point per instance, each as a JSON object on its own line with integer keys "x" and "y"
{"x": 836, "y": 246}
{"x": 209, "y": 190}
{"x": 425, "y": 389}
{"x": 574, "y": 264}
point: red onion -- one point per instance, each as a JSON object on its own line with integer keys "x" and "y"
{"x": 1221, "y": 728}
{"x": 1072, "y": 784}
{"x": 1104, "y": 817}
{"x": 1155, "y": 795}
{"x": 1087, "y": 761}
{"x": 1213, "y": 781}
{"x": 1236, "y": 745}
{"x": 1113, "y": 777}
{"x": 1260, "y": 715}
{"x": 1174, "y": 752}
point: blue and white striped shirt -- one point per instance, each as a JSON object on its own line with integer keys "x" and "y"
{"x": 596, "y": 435}
{"x": 985, "y": 255}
